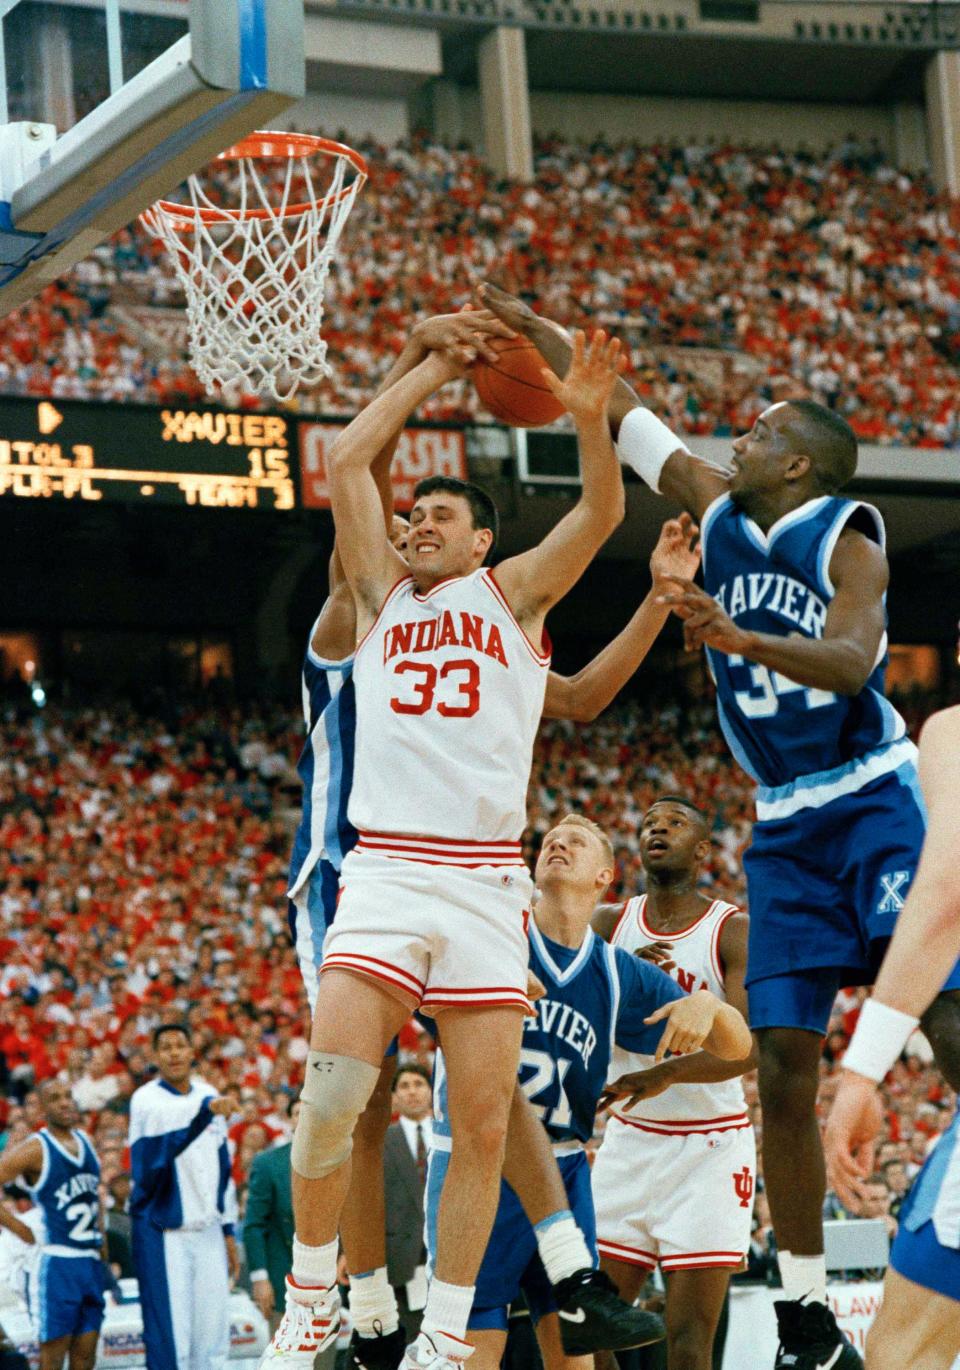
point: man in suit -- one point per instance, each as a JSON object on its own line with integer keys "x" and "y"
{"x": 268, "y": 1227}
{"x": 404, "y": 1176}
{"x": 268, "y": 1233}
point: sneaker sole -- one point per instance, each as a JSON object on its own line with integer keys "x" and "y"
{"x": 572, "y": 1348}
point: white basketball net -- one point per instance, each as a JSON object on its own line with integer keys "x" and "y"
{"x": 254, "y": 285}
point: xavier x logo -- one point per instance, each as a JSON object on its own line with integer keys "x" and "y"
{"x": 893, "y": 883}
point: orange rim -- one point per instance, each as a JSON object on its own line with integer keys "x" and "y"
{"x": 265, "y": 143}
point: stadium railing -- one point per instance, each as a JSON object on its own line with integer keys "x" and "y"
{"x": 925, "y": 27}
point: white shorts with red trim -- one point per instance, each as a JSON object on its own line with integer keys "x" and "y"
{"x": 680, "y": 1200}
{"x": 444, "y": 921}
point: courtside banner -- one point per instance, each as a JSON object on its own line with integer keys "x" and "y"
{"x": 421, "y": 452}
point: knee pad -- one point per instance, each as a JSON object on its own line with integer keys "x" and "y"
{"x": 335, "y": 1093}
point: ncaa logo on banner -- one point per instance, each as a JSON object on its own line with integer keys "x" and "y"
{"x": 421, "y": 452}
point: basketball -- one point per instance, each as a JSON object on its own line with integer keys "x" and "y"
{"x": 513, "y": 390}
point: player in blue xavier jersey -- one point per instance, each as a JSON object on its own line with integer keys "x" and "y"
{"x": 325, "y": 836}
{"x": 596, "y": 997}
{"x": 59, "y": 1168}
{"x": 792, "y": 617}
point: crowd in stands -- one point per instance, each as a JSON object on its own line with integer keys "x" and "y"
{"x": 143, "y": 870}
{"x": 836, "y": 276}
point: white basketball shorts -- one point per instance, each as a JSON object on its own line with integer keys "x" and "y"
{"x": 451, "y": 935}
{"x": 683, "y": 1201}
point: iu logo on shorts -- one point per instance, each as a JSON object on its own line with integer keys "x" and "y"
{"x": 743, "y": 1185}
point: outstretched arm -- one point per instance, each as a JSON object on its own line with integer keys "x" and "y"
{"x": 645, "y": 445}
{"x": 926, "y": 943}
{"x": 842, "y": 660}
{"x": 586, "y": 694}
{"x": 464, "y": 337}
{"x": 370, "y": 564}
{"x": 153, "y": 1151}
{"x": 534, "y": 581}
{"x": 924, "y": 949}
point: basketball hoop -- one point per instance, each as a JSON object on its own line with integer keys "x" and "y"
{"x": 254, "y": 273}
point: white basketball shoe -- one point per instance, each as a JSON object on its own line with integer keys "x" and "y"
{"x": 305, "y": 1329}
{"x": 436, "y": 1351}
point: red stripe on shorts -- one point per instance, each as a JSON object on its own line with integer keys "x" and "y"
{"x": 628, "y": 1254}
{"x": 379, "y": 970}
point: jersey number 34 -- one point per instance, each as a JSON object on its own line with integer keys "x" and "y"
{"x": 762, "y": 700}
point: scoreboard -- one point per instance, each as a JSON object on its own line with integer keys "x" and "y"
{"x": 80, "y": 452}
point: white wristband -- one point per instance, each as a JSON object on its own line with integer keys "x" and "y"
{"x": 880, "y": 1036}
{"x": 644, "y": 444}
{"x": 257, "y": 1275}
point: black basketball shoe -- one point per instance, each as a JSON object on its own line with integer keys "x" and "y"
{"x": 811, "y": 1340}
{"x": 382, "y": 1352}
{"x": 593, "y": 1317}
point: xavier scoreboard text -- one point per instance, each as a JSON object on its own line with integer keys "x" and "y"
{"x": 80, "y": 452}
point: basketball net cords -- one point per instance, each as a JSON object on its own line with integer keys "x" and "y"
{"x": 276, "y": 346}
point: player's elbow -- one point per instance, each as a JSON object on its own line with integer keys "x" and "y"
{"x": 852, "y": 673}
{"x": 581, "y": 704}
{"x": 851, "y": 683}
{"x": 584, "y": 713}
{"x": 343, "y": 454}
{"x": 617, "y": 507}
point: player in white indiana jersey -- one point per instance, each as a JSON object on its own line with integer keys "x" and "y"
{"x": 325, "y": 836}
{"x": 433, "y": 908}
{"x": 674, "y": 1178}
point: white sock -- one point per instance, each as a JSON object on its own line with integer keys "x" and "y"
{"x": 373, "y": 1304}
{"x": 804, "y": 1277}
{"x": 448, "y": 1309}
{"x": 561, "y": 1246}
{"x": 314, "y": 1267}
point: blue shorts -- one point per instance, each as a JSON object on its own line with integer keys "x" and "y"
{"x": 825, "y": 887}
{"x": 917, "y": 1252}
{"x": 65, "y": 1296}
{"x": 309, "y": 916}
{"x": 510, "y": 1262}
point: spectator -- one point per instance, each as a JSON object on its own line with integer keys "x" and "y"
{"x": 118, "y": 1226}
{"x": 738, "y": 276}
{"x": 405, "y": 1151}
{"x": 96, "y": 1086}
{"x": 894, "y": 1174}
{"x": 132, "y": 869}
{"x": 268, "y": 1227}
